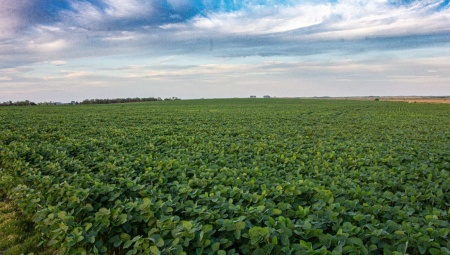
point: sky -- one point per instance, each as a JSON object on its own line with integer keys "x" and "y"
{"x": 64, "y": 50}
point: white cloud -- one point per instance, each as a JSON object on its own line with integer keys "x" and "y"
{"x": 89, "y": 16}
{"x": 127, "y": 9}
{"x": 122, "y": 36}
{"x": 66, "y": 75}
{"x": 258, "y": 20}
{"x": 58, "y": 62}
{"x": 5, "y": 78}
{"x": 47, "y": 46}
{"x": 82, "y": 13}
{"x": 355, "y": 20}
{"x": 76, "y": 74}
{"x": 47, "y": 28}
{"x": 180, "y": 4}
{"x": 346, "y": 19}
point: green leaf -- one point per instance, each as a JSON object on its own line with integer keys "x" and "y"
{"x": 276, "y": 211}
{"x": 186, "y": 225}
{"x": 131, "y": 252}
{"x": 306, "y": 245}
{"x": 123, "y": 218}
{"x": 128, "y": 243}
{"x": 88, "y": 207}
{"x": 52, "y": 242}
{"x": 215, "y": 247}
{"x": 91, "y": 239}
{"x": 125, "y": 237}
{"x": 356, "y": 241}
{"x": 240, "y": 225}
{"x": 358, "y": 217}
{"x": 207, "y": 228}
{"x": 284, "y": 239}
{"x": 63, "y": 227}
{"x": 237, "y": 234}
{"x": 422, "y": 249}
{"x": 160, "y": 242}
{"x": 81, "y": 251}
{"x": 87, "y": 226}
{"x": 259, "y": 251}
{"x": 274, "y": 240}
{"x": 154, "y": 250}
{"x": 62, "y": 215}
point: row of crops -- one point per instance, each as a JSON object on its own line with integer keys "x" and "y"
{"x": 248, "y": 176}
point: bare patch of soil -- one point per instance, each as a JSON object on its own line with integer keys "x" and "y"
{"x": 408, "y": 99}
{"x": 434, "y": 100}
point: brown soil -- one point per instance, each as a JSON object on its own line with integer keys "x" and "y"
{"x": 412, "y": 99}
{"x": 434, "y": 100}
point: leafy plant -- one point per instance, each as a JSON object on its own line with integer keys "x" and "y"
{"x": 231, "y": 176}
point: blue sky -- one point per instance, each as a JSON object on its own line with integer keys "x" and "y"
{"x": 77, "y": 49}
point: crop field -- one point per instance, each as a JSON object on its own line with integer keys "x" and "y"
{"x": 232, "y": 176}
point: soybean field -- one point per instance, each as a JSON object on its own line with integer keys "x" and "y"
{"x": 232, "y": 176}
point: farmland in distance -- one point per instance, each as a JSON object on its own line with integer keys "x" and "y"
{"x": 232, "y": 176}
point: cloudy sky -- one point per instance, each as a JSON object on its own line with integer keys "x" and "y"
{"x": 63, "y": 50}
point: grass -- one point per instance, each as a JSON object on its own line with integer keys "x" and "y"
{"x": 17, "y": 234}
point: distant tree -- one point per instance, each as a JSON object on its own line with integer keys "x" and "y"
{"x": 18, "y": 103}
{"x": 171, "y": 98}
{"x": 122, "y": 100}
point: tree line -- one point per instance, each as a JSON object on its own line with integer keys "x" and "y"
{"x": 119, "y": 100}
{"x": 18, "y": 103}
{"x": 91, "y": 101}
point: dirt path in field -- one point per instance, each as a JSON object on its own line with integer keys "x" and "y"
{"x": 431, "y": 100}
{"x": 419, "y": 100}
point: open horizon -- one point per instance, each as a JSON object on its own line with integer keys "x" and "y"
{"x": 411, "y": 97}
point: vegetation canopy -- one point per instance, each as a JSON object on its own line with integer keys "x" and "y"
{"x": 235, "y": 176}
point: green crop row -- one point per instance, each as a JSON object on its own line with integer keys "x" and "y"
{"x": 232, "y": 176}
